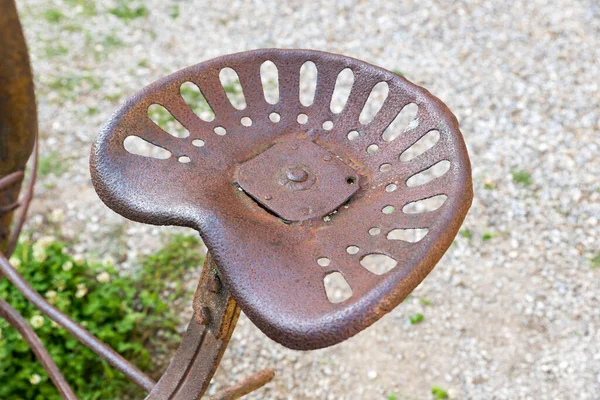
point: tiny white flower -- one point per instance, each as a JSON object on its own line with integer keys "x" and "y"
{"x": 51, "y": 295}
{"x": 103, "y": 277}
{"x": 46, "y": 241}
{"x": 57, "y": 215}
{"x": 109, "y": 261}
{"x": 39, "y": 247}
{"x": 81, "y": 291}
{"x": 67, "y": 266}
{"x": 37, "y": 321}
{"x": 15, "y": 262}
{"x": 35, "y": 379}
{"x": 79, "y": 259}
{"x": 39, "y": 253}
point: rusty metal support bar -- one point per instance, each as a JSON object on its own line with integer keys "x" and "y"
{"x": 11, "y": 179}
{"x": 246, "y": 385}
{"x": 203, "y": 345}
{"x": 85, "y": 337}
{"x": 15, "y": 319}
{"x": 24, "y": 203}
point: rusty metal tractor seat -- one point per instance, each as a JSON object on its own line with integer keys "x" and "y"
{"x": 285, "y": 193}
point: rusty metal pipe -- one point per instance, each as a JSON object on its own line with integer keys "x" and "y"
{"x": 246, "y": 385}
{"x": 15, "y": 319}
{"x": 85, "y": 337}
{"x": 24, "y": 204}
{"x": 11, "y": 179}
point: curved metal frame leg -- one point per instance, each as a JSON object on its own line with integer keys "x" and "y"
{"x": 15, "y": 319}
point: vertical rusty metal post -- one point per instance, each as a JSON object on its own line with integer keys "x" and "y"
{"x": 18, "y": 116}
{"x": 204, "y": 343}
{"x": 207, "y": 337}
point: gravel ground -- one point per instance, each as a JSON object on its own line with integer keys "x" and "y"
{"x": 513, "y": 309}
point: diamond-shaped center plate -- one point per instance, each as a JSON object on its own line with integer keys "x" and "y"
{"x": 298, "y": 180}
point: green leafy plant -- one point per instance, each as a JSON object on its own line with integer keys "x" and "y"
{"x": 91, "y": 110}
{"x": 112, "y": 41}
{"x": 522, "y": 177}
{"x": 127, "y": 12}
{"x": 489, "y": 185}
{"x": 87, "y": 7}
{"x": 439, "y": 393}
{"x": 53, "y": 16}
{"x": 193, "y": 97}
{"x": 466, "y": 233}
{"x": 124, "y": 311}
{"x": 113, "y": 97}
{"x": 425, "y": 301}
{"x": 165, "y": 120}
{"x": 174, "y": 11}
{"x": 52, "y": 163}
{"x": 71, "y": 86}
{"x": 595, "y": 261}
{"x": 417, "y": 319}
{"x": 233, "y": 87}
{"x": 54, "y": 50}
{"x": 102, "y": 47}
{"x": 487, "y": 236}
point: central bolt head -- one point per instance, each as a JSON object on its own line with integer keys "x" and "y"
{"x": 296, "y": 174}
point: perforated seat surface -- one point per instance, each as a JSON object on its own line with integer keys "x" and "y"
{"x": 284, "y": 205}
